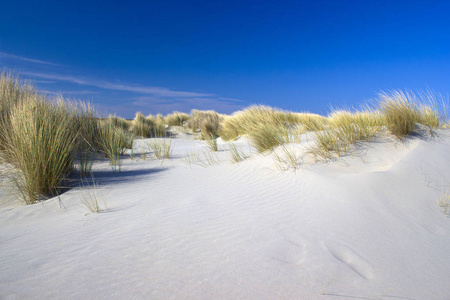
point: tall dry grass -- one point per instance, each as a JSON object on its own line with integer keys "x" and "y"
{"x": 245, "y": 121}
{"x": 113, "y": 142}
{"x": 41, "y": 138}
{"x": 149, "y": 126}
{"x": 397, "y": 112}
{"x": 206, "y": 121}
{"x": 402, "y": 110}
{"x": 39, "y": 143}
{"x": 120, "y": 122}
{"x": 269, "y": 127}
{"x": 176, "y": 118}
{"x": 142, "y": 126}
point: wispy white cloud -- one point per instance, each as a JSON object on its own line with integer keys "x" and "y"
{"x": 36, "y": 61}
{"x": 47, "y": 92}
{"x": 83, "y": 92}
{"x": 158, "y": 105}
{"x": 149, "y": 90}
{"x": 45, "y": 81}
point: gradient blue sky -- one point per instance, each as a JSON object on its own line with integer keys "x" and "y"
{"x": 161, "y": 56}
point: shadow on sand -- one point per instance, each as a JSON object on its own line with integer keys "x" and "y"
{"x": 101, "y": 178}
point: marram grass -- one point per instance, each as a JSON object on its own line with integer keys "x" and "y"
{"x": 40, "y": 142}
{"x": 41, "y": 139}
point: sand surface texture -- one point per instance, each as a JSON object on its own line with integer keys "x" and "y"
{"x": 365, "y": 226}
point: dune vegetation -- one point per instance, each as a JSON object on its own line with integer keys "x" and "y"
{"x": 43, "y": 139}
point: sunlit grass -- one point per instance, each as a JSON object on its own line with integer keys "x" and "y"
{"x": 41, "y": 138}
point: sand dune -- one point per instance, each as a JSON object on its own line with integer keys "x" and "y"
{"x": 365, "y": 226}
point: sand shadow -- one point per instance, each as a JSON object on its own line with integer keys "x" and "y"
{"x": 109, "y": 177}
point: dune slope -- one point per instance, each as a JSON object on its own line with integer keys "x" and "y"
{"x": 367, "y": 227}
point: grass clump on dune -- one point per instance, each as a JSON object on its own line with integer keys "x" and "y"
{"x": 113, "y": 142}
{"x": 159, "y": 127}
{"x": 267, "y": 136}
{"x": 176, "y": 118}
{"x": 120, "y": 122}
{"x": 149, "y": 126}
{"x": 40, "y": 142}
{"x": 206, "y": 121}
{"x": 245, "y": 121}
{"x": 397, "y": 112}
{"x": 40, "y": 139}
{"x": 161, "y": 148}
{"x": 268, "y": 127}
{"x": 142, "y": 126}
{"x": 402, "y": 110}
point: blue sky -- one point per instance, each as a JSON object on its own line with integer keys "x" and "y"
{"x": 161, "y": 56}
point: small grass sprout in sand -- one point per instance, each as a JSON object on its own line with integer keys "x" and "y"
{"x": 203, "y": 159}
{"x": 162, "y": 148}
{"x": 212, "y": 142}
{"x": 237, "y": 154}
{"x": 444, "y": 202}
{"x": 90, "y": 196}
{"x": 286, "y": 157}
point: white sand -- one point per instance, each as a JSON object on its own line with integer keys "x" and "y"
{"x": 362, "y": 227}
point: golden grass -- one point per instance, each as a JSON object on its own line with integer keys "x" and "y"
{"x": 142, "y": 126}
{"x": 402, "y": 110}
{"x": 161, "y": 149}
{"x": 113, "y": 143}
{"x": 176, "y": 118}
{"x": 398, "y": 112}
{"x": 39, "y": 143}
{"x": 120, "y": 122}
{"x": 41, "y": 139}
{"x": 444, "y": 202}
{"x": 237, "y": 154}
{"x": 207, "y": 121}
{"x": 206, "y": 160}
{"x": 90, "y": 196}
{"x": 269, "y": 127}
{"x": 212, "y": 143}
{"x": 287, "y": 159}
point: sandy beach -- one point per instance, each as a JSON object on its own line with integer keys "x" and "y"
{"x": 198, "y": 226}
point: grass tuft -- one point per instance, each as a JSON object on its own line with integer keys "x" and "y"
{"x": 444, "y": 203}
{"x": 237, "y": 154}
{"x": 113, "y": 143}
{"x": 90, "y": 197}
{"x": 176, "y": 119}
{"x": 142, "y": 126}
{"x": 39, "y": 141}
{"x": 41, "y": 138}
{"x": 162, "y": 149}
{"x": 207, "y": 122}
